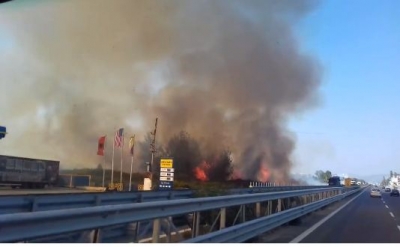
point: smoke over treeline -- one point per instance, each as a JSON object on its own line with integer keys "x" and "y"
{"x": 229, "y": 73}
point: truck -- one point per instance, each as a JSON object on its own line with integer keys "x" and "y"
{"x": 21, "y": 172}
{"x": 347, "y": 182}
{"x": 334, "y": 181}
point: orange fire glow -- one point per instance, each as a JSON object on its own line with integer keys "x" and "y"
{"x": 264, "y": 174}
{"x": 237, "y": 174}
{"x": 200, "y": 174}
{"x": 200, "y": 171}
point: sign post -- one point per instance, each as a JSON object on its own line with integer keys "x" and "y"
{"x": 166, "y": 174}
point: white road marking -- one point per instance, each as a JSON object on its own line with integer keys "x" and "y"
{"x": 391, "y": 214}
{"x": 398, "y": 227}
{"x": 386, "y": 206}
{"x": 299, "y": 238}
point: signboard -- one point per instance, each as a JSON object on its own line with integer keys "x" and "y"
{"x": 166, "y": 163}
{"x": 166, "y": 185}
{"x": 166, "y": 174}
{"x": 167, "y": 169}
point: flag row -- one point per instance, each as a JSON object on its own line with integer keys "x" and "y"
{"x": 118, "y": 142}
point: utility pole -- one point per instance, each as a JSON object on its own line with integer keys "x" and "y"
{"x": 153, "y": 147}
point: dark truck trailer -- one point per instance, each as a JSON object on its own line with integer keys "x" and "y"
{"x": 334, "y": 181}
{"x": 27, "y": 172}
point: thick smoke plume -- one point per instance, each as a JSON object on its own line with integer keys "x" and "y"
{"x": 228, "y": 72}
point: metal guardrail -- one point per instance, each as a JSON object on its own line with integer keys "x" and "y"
{"x": 42, "y": 202}
{"x": 274, "y": 188}
{"x": 254, "y": 228}
{"x": 26, "y": 226}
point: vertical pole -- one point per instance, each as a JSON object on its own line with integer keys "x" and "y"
{"x": 156, "y": 230}
{"x": 194, "y": 224}
{"x": 222, "y": 220}
{"x": 197, "y": 228}
{"x": 279, "y": 206}
{"x": 130, "y": 176}
{"x": 243, "y": 213}
{"x": 258, "y": 209}
{"x": 112, "y": 163}
{"x": 168, "y": 233}
{"x": 122, "y": 147}
{"x": 153, "y": 147}
{"x": 104, "y": 165}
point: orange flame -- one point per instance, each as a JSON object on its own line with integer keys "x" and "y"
{"x": 200, "y": 171}
{"x": 200, "y": 174}
{"x": 264, "y": 174}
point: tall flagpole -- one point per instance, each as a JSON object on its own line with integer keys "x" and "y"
{"x": 131, "y": 147}
{"x": 112, "y": 164}
{"x": 104, "y": 165}
{"x": 122, "y": 147}
{"x": 130, "y": 176}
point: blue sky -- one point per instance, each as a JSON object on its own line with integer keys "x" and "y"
{"x": 356, "y": 128}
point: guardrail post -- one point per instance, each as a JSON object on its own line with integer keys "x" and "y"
{"x": 156, "y": 231}
{"x": 243, "y": 213}
{"x": 197, "y": 224}
{"x": 168, "y": 233}
{"x": 34, "y": 205}
{"x": 258, "y": 209}
{"x": 222, "y": 219}
{"x": 96, "y": 236}
{"x": 279, "y": 206}
{"x": 270, "y": 207}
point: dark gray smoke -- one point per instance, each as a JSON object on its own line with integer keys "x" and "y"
{"x": 230, "y": 73}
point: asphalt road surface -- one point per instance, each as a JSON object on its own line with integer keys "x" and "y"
{"x": 362, "y": 220}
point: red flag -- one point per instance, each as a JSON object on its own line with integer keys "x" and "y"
{"x": 100, "y": 148}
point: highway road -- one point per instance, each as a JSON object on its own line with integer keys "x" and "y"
{"x": 362, "y": 220}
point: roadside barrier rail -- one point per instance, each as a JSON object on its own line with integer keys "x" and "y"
{"x": 17, "y": 227}
{"x": 43, "y": 202}
{"x": 254, "y": 228}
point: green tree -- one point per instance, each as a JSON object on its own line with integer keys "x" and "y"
{"x": 328, "y": 175}
{"x": 322, "y": 176}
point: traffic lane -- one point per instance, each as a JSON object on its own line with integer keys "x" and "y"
{"x": 392, "y": 204}
{"x": 364, "y": 220}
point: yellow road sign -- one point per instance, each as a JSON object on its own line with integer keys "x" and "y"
{"x": 166, "y": 163}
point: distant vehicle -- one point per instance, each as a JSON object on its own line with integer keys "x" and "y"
{"x": 347, "y": 182}
{"x": 387, "y": 189}
{"x": 28, "y": 173}
{"x": 334, "y": 181}
{"x": 395, "y": 192}
{"x": 375, "y": 193}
